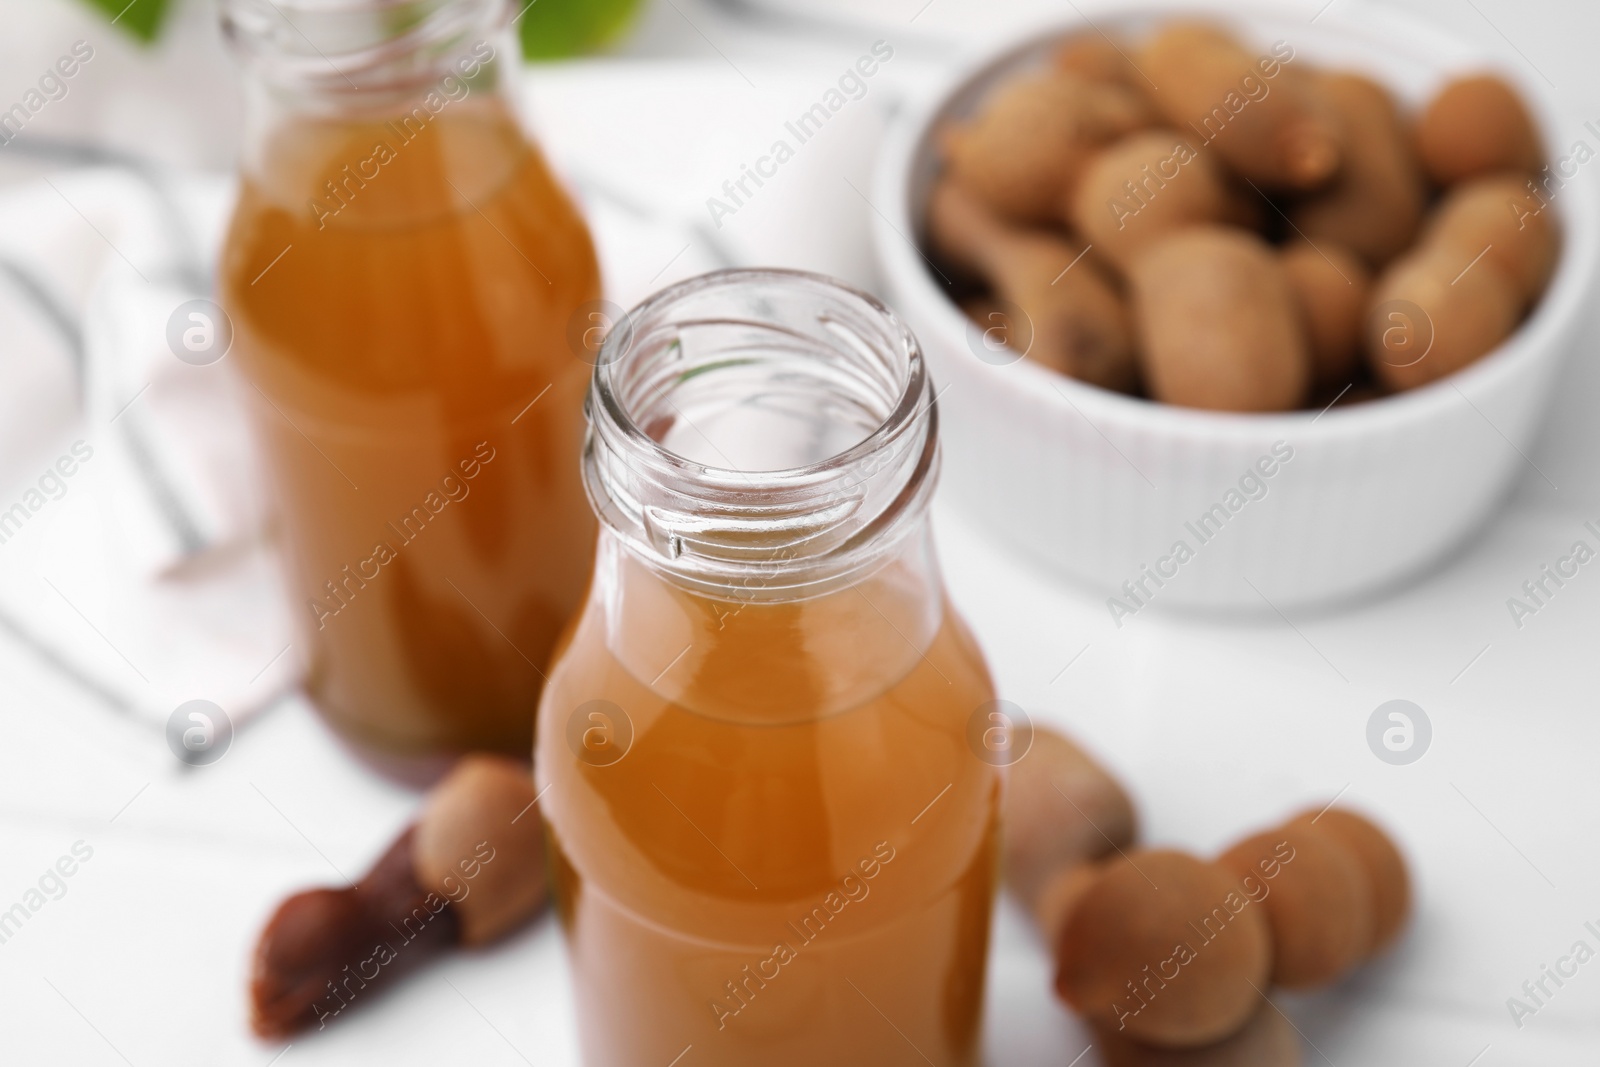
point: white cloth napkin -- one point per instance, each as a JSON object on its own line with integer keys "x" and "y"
{"x": 132, "y": 555}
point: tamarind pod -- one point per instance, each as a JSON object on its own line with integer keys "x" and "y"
{"x": 1384, "y": 866}
{"x": 1477, "y": 125}
{"x": 1073, "y": 320}
{"x": 1330, "y": 284}
{"x": 1316, "y": 897}
{"x": 1177, "y": 923}
{"x": 1142, "y": 188}
{"x": 1062, "y": 810}
{"x": 1498, "y": 217}
{"x": 1262, "y": 115}
{"x": 1374, "y": 205}
{"x": 1026, "y": 146}
{"x": 1218, "y": 323}
{"x": 1434, "y": 311}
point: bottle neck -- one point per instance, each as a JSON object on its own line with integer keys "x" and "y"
{"x": 761, "y": 437}
{"x": 369, "y": 58}
{"x": 746, "y": 656}
{"x": 339, "y": 92}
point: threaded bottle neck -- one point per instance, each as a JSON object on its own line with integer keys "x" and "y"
{"x": 767, "y": 431}
{"x": 366, "y": 55}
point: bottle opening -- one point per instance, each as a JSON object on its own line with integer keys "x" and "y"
{"x": 363, "y": 48}
{"x": 760, "y": 417}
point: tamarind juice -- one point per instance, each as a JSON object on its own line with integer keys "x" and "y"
{"x": 401, "y": 291}
{"x": 772, "y": 843}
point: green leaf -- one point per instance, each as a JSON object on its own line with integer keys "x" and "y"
{"x": 555, "y": 29}
{"x": 142, "y": 18}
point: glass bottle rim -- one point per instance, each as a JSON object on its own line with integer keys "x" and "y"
{"x": 355, "y": 47}
{"x": 836, "y": 512}
{"x": 619, "y": 341}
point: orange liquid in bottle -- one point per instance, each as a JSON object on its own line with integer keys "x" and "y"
{"x": 793, "y": 862}
{"x": 419, "y": 409}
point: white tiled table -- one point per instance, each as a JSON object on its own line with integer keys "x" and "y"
{"x": 1219, "y": 726}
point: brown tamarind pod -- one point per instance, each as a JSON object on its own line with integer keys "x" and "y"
{"x": 1330, "y": 285}
{"x": 1477, "y": 125}
{"x": 325, "y": 949}
{"x": 1316, "y": 897}
{"x": 1267, "y": 1040}
{"x": 1218, "y": 323}
{"x": 1381, "y": 862}
{"x": 1076, "y": 322}
{"x": 1165, "y": 949}
{"x": 1143, "y": 188}
{"x": 1434, "y": 311}
{"x": 1096, "y": 57}
{"x": 1061, "y": 810}
{"x": 479, "y": 843}
{"x": 1374, "y": 205}
{"x": 469, "y": 870}
{"x": 1029, "y": 141}
{"x": 1262, "y": 115}
{"x": 1497, "y": 217}
{"x": 1054, "y": 902}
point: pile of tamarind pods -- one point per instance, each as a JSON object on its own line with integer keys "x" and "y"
{"x": 1171, "y": 958}
{"x": 1192, "y": 221}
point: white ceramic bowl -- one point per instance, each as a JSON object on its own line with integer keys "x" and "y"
{"x": 1101, "y": 486}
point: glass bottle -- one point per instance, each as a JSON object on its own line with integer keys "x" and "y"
{"x": 402, "y": 272}
{"x": 770, "y": 838}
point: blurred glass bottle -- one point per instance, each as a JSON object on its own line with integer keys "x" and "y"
{"x": 403, "y": 275}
